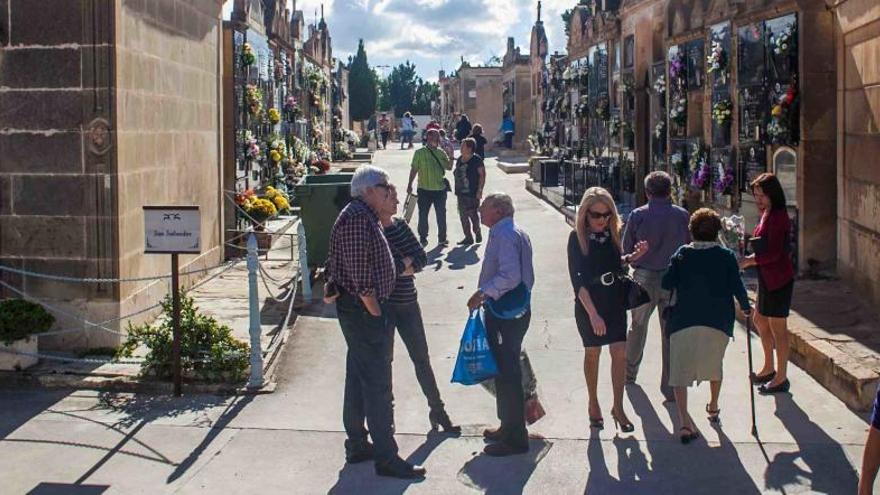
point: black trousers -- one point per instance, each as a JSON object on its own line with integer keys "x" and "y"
{"x": 385, "y": 139}
{"x": 407, "y": 318}
{"x": 367, "y": 378}
{"x": 427, "y": 199}
{"x": 505, "y": 340}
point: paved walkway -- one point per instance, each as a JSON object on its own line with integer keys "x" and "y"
{"x": 291, "y": 441}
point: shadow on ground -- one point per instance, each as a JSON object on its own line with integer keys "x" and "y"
{"x": 497, "y": 476}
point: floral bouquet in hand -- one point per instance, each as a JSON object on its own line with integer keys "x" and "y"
{"x": 733, "y": 233}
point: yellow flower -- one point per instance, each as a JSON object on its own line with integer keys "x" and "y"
{"x": 777, "y": 111}
{"x": 280, "y": 202}
{"x": 274, "y": 115}
{"x": 275, "y": 156}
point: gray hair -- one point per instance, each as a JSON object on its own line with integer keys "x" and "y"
{"x": 366, "y": 176}
{"x": 658, "y": 184}
{"x": 502, "y": 202}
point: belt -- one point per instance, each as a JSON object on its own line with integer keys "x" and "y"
{"x": 607, "y": 279}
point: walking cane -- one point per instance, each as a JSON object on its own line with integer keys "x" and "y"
{"x": 751, "y": 386}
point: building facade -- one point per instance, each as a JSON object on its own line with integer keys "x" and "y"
{"x": 717, "y": 92}
{"x": 105, "y": 107}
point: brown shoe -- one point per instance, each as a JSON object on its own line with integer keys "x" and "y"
{"x": 493, "y": 434}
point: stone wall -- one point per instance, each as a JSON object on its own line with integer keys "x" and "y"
{"x": 858, "y": 145}
{"x": 168, "y": 132}
{"x": 57, "y": 160}
{"x": 104, "y": 106}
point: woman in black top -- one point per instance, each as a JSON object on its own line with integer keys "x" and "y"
{"x": 594, "y": 263}
{"x": 470, "y": 177}
{"x": 404, "y": 311}
{"x": 480, "y": 140}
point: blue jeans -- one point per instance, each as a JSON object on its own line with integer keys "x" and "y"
{"x": 437, "y": 199}
{"x": 367, "y": 378}
{"x": 407, "y": 317}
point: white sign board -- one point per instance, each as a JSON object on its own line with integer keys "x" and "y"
{"x": 172, "y": 229}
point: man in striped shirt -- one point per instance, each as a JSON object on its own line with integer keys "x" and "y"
{"x": 430, "y": 164}
{"x": 405, "y": 314}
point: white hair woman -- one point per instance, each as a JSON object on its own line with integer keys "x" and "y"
{"x": 594, "y": 263}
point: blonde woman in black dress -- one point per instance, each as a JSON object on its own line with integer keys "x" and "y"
{"x": 594, "y": 263}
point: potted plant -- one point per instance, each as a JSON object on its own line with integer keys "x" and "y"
{"x": 19, "y": 321}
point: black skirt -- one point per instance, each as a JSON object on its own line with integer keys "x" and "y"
{"x": 775, "y": 303}
{"x": 615, "y": 326}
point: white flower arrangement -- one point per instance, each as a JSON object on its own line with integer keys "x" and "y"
{"x": 660, "y": 129}
{"x": 678, "y": 111}
{"x": 716, "y": 60}
{"x": 660, "y": 84}
{"x": 782, "y": 41}
{"x": 722, "y": 112}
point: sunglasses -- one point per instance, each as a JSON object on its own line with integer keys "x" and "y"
{"x": 595, "y": 215}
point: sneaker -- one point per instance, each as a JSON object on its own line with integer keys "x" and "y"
{"x": 467, "y": 241}
{"x": 423, "y": 242}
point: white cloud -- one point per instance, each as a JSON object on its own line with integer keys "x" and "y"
{"x": 434, "y": 34}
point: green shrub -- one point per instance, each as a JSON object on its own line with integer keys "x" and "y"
{"x": 207, "y": 349}
{"x": 20, "y": 319}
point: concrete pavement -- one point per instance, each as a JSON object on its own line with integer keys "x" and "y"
{"x": 291, "y": 441}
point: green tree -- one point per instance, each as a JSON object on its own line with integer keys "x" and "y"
{"x": 399, "y": 90}
{"x": 426, "y": 92}
{"x": 362, "y": 86}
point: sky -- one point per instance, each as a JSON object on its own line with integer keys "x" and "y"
{"x": 433, "y": 34}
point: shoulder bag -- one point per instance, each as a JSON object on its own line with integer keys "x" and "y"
{"x": 442, "y": 170}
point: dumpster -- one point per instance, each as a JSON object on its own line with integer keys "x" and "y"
{"x": 321, "y": 198}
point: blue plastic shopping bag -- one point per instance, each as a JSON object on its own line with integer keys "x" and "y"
{"x": 475, "y": 361}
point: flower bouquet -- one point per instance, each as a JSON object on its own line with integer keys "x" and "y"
{"x": 677, "y": 163}
{"x": 660, "y": 84}
{"x": 722, "y": 112}
{"x": 291, "y": 109}
{"x": 724, "y": 180}
{"x": 716, "y": 61}
{"x": 247, "y": 54}
{"x": 782, "y": 41}
{"x": 678, "y": 111}
{"x": 274, "y": 116}
{"x": 251, "y": 148}
{"x": 279, "y": 199}
{"x": 254, "y": 98}
{"x": 677, "y": 67}
{"x": 660, "y": 129}
{"x": 277, "y": 150}
{"x": 733, "y": 234}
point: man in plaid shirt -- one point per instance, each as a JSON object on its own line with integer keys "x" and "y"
{"x": 361, "y": 267}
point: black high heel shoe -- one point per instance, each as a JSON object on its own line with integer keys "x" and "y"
{"x": 760, "y": 379}
{"x": 438, "y": 417}
{"x": 625, "y": 426}
{"x": 776, "y": 389}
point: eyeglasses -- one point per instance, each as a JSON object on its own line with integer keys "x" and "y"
{"x": 595, "y": 215}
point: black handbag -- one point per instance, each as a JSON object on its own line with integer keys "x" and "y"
{"x": 632, "y": 292}
{"x": 634, "y": 295}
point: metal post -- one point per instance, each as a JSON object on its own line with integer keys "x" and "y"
{"x": 305, "y": 275}
{"x": 253, "y": 264}
{"x": 175, "y": 325}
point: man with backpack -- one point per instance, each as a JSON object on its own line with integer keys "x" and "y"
{"x": 430, "y": 164}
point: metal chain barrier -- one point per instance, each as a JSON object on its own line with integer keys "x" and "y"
{"x": 100, "y": 325}
{"x": 92, "y": 280}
